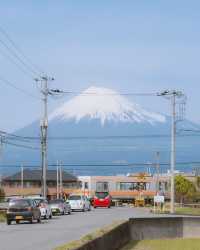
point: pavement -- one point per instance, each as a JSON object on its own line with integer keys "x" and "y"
{"x": 62, "y": 229}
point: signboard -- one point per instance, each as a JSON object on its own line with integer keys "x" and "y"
{"x": 159, "y": 199}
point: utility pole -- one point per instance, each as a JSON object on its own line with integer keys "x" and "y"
{"x": 172, "y": 95}
{"x": 61, "y": 184}
{"x": 22, "y": 177}
{"x": 1, "y": 151}
{"x": 44, "y": 129}
{"x": 158, "y": 171}
{"x": 57, "y": 181}
{"x": 173, "y": 150}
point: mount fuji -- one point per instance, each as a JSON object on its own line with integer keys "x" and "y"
{"x": 105, "y": 105}
{"x": 101, "y": 126}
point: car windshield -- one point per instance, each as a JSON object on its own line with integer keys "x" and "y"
{"x": 55, "y": 201}
{"x": 21, "y": 203}
{"x": 74, "y": 197}
{"x": 38, "y": 201}
{"x": 101, "y": 195}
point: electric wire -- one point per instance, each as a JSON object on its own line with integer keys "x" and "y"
{"x": 11, "y": 59}
{"x": 5, "y": 81}
{"x": 21, "y": 145}
{"x": 18, "y": 49}
{"x": 15, "y": 55}
{"x": 102, "y": 94}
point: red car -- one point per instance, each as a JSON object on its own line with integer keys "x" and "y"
{"x": 102, "y": 199}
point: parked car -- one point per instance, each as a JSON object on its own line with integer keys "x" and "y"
{"x": 79, "y": 202}
{"x": 59, "y": 206}
{"x": 102, "y": 199}
{"x": 44, "y": 207}
{"x": 22, "y": 209}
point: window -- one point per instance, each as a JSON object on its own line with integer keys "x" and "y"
{"x": 27, "y": 184}
{"x": 102, "y": 186}
{"x": 131, "y": 186}
{"x": 74, "y": 197}
{"x": 86, "y": 185}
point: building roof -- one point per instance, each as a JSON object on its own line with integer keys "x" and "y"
{"x": 36, "y": 175}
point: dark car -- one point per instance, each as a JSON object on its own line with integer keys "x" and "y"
{"x": 23, "y": 210}
{"x": 102, "y": 199}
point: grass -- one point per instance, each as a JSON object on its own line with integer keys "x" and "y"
{"x": 2, "y": 216}
{"x": 166, "y": 244}
{"x": 180, "y": 211}
{"x": 89, "y": 237}
{"x": 188, "y": 211}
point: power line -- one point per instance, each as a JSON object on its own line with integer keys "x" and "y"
{"x": 34, "y": 66}
{"x": 15, "y": 55}
{"x": 21, "y": 145}
{"x": 101, "y": 94}
{"x": 99, "y": 137}
{"x": 137, "y": 164}
{"x": 5, "y": 81}
{"x": 19, "y": 66}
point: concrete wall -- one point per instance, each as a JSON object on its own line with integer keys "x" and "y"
{"x": 145, "y": 228}
{"x": 113, "y": 240}
{"x": 164, "y": 227}
{"x": 191, "y": 227}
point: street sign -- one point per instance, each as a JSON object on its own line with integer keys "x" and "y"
{"x": 159, "y": 199}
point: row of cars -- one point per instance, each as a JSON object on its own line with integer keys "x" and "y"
{"x": 37, "y": 208}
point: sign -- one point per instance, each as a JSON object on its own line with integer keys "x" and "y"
{"x": 159, "y": 199}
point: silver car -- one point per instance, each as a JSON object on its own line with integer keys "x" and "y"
{"x": 59, "y": 206}
{"x": 79, "y": 202}
{"x": 44, "y": 207}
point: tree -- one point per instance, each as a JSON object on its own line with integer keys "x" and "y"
{"x": 198, "y": 181}
{"x": 2, "y": 194}
{"x": 183, "y": 188}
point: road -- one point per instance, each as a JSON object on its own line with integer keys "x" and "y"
{"x": 62, "y": 229}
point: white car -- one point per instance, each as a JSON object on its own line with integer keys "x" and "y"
{"x": 79, "y": 202}
{"x": 59, "y": 206}
{"x": 44, "y": 207}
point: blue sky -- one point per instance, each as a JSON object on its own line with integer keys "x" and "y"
{"x": 136, "y": 46}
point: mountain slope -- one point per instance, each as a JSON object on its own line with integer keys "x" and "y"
{"x": 105, "y": 105}
{"x": 86, "y": 129}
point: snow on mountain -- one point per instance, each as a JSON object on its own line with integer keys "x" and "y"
{"x": 105, "y": 105}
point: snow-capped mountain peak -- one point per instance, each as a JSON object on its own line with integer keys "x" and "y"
{"x": 105, "y": 105}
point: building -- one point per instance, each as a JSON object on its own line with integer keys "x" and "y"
{"x": 121, "y": 187}
{"x": 28, "y": 182}
{"x": 125, "y": 188}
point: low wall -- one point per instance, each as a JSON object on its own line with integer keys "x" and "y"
{"x": 140, "y": 229}
{"x": 110, "y": 239}
{"x": 164, "y": 227}
{"x": 113, "y": 240}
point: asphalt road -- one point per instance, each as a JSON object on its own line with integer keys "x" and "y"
{"x": 62, "y": 229}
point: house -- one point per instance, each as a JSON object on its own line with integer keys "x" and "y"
{"x": 28, "y": 182}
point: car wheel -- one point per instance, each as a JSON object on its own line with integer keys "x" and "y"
{"x": 31, "y": 220}
{"x": 8, "y": 222}
{"x": 89, "y": 209}
{"x": 50, "y": 216}
{"x": 17, "y": 221}
{"x": 69, "y": 212}
{"x": 39, "y": 220}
